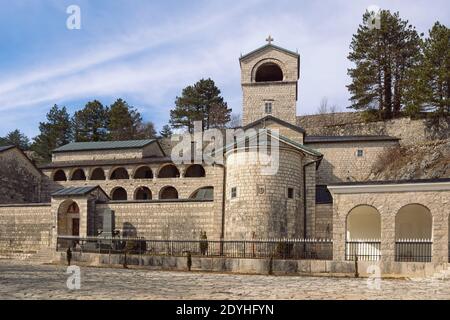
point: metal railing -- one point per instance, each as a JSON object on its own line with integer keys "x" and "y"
{"x": 413, "y": 250}
{"x": 365, "y": 250}
{"x": 316, "y": 249}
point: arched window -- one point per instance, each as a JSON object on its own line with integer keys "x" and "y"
{"x": 143, "y": 173}
{"x": 413, "y": 234}
{"x": 195, "y": 171}
{"x": 269, "y": 72}
{"x": 413, "y": 221}
{"x": 119, "y": 173}
{"x": 142, "y": 193}
{"x": 204, "y": 193}
{"x": 59, "y": 176}
{"x": 98, "y": 174}
{"x": 363, "y": 234}
{"x": 168, "y": 193}
{"x": 78, "y": 174}
{"x": 169, "y": 171}
{"x": 119, "y": 193}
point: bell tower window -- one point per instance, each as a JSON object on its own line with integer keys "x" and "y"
{"x": 269, "y": 72}
{"x": 268, "y": 107}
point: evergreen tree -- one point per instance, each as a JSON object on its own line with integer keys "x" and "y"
{"x": 383, "y": 59}
{"x": 431, "y": 79}
{"x": 91, "y": 123}
{"x": 16, "y": 138}
{"x": 124, "y": 121}
{"x": 57, "y": 131}
{"x": 200, "y": 102}
{"x": 166, "y": 131}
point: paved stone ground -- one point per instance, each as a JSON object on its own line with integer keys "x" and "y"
{"x": 25, "y": 281}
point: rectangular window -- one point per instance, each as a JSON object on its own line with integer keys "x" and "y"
{"x": 360, "y": 153}
{"x": 233, "y": 192}
{"x": 290, "y": 193}
{"x": 268, "y": 107}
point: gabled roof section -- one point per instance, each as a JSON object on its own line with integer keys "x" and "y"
{"x": 104, "y": 145}
{"x": 277, "y": 120}
{"x": 280, "y": 137}
{"x": 6, "y": 148}
{"x": 77, "y": 191}
{"x": 269, "y": 46}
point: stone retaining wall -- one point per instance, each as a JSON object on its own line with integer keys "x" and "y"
{"x": 258, "y": 266}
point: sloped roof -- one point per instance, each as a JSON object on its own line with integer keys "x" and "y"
{"x": 4, "y": 148}
{"x": 104, "y": 145}
{"x": 277, "y": 120}
{"x": 331, "y": 139}
{"x": 280, "y": 137}
{"x": 267, "y": 46}
{"x": 76, "y": 191}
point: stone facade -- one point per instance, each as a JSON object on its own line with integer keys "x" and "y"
{"x": 241, "y": 198}
{"x": 282, "y": 94}
{"x": 20, "y": 180}
{"x": 258, "y": 205}
{"x": 25, "y": 228}
{"x": 409, "y": 131}
{"x": 388, "y": 203}
{"x": 341, "y": 162}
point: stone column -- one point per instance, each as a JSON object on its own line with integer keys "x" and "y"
{"x": 338, "y": 230}
{"x": 387, "y": 235}
{"x": 440, "y": 231}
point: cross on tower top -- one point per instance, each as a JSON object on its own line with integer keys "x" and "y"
{"x": 269, "y": 39}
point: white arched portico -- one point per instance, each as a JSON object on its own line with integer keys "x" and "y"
{"x": 363, "y": 233}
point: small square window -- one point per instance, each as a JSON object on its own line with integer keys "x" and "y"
{"x": 290, "y": 193}
{"x": 360, "y": 153}
{"x": 268, "y": 108}
{"x": 233, "y": 192}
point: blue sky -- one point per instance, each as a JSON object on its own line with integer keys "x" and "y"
{"x": 147, "y": 51}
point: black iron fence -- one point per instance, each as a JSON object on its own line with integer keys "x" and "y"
{"x": 317, "y": 249}
{"x": 413, "y": 250}
{"x": 364, "y": 250}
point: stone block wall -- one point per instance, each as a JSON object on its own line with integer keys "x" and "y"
{"x": 388, "y": 204}
{"x": 324, "y": 221}
{"x": 166, "y": 220}
{"x": 261, "y": 208}
{"x": 410, "y": 131}
{"x": 341, "y": 163}
{"x": 282, "y": 94}
{"x": 20, "y": 181}
{"x": 25, "y": 227}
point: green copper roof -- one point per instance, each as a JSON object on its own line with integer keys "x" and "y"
{"x": 104, "y": 145}
{"x": 74, "y": 191}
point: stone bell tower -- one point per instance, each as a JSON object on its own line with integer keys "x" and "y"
{"x": 269, "y": 78}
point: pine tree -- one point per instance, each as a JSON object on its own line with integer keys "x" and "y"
{"x": 166, "y": 131}
{"x": 124, "y": 121}
{"x": 431, "y": 79}
{"x": 383, "y": 58}
{"x": 16, "y": 138}
{"x": 91, "y": 123}
{"x": 57, "y": 131}
{"x": 200, "y": 102}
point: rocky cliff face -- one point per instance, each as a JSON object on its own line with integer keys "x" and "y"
{"x": 426, "y": 160}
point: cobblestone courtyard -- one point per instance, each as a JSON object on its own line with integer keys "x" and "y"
{"x": 25, "y": 281}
